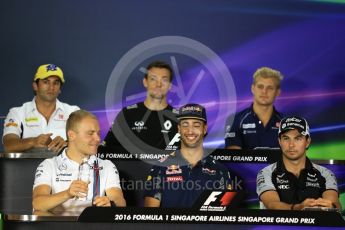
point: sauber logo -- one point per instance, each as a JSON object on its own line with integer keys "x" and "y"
{"x": 220, "y": 201}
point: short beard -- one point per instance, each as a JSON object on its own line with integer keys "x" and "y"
{"x": 155, "y": 97}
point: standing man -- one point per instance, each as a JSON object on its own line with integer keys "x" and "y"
{"x": 145, "y": 127}
{"x": 57, "y": 185}
{"x": 179, "y": 179}
{"x": 257, "y": 126}
{"x": 41, "y": 122}
{"x": 151, "y": 123}
{"x": 294, "y": 182}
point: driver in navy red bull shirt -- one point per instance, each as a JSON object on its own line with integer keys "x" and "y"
{"x": 179, "y": 179}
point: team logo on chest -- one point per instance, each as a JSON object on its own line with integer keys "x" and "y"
{"x": 208, "y": 171}
{"x": 173, "y": 169}
{"x": 62, "y": 167}
{"x": 167, "y": 126}
{"x": 312, "y": 181}
{"x": 282, "y": 183}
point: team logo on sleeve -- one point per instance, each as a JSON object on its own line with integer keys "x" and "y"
{"x": 38, "y": 173}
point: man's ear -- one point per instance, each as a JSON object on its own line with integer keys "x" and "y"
{"x": 71, "y": 135}
{"x": 278, "y": 92}
{"x": 145, "y": 82}
{"x": 252, "y": 88}
{"x": 309, "y": 141}
{"x": 34, "y": 86}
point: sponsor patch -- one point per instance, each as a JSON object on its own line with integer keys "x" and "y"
{"x": 249, "y": 126}
{"x": 132, "y": 106}
{"x": 174, "y": 178}
{"x": 232, "y": 134}
{"x": 139, "y": 125}
{"x": 11, "y": 124}
{"x": 163, "y": 159}
{"x": 64, "y": 174}
{"x": 31, "y": 119}
{"x": 248, "y": 131}
{"x": 208, "y": 171}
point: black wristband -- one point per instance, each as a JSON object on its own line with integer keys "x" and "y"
{"x": 112, "y": 203}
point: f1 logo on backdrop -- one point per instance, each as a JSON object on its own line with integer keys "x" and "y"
{"x": 212, "y": 198}
{"x": 218, "y": 201}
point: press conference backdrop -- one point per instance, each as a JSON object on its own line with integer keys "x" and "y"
{"x": 213, "y": 46}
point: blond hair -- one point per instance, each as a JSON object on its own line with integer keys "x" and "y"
{"x": 266, "y": 72}
{"x": 75, "y": 118}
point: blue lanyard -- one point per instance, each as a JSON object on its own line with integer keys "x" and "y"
{"x": 96, "y": 180}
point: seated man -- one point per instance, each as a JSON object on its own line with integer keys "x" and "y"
{"x": 57, "y": 186}
{"x": 294, "y": 182}
{"x": 41, "y": 122}
{"x": 179, "y": 179}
